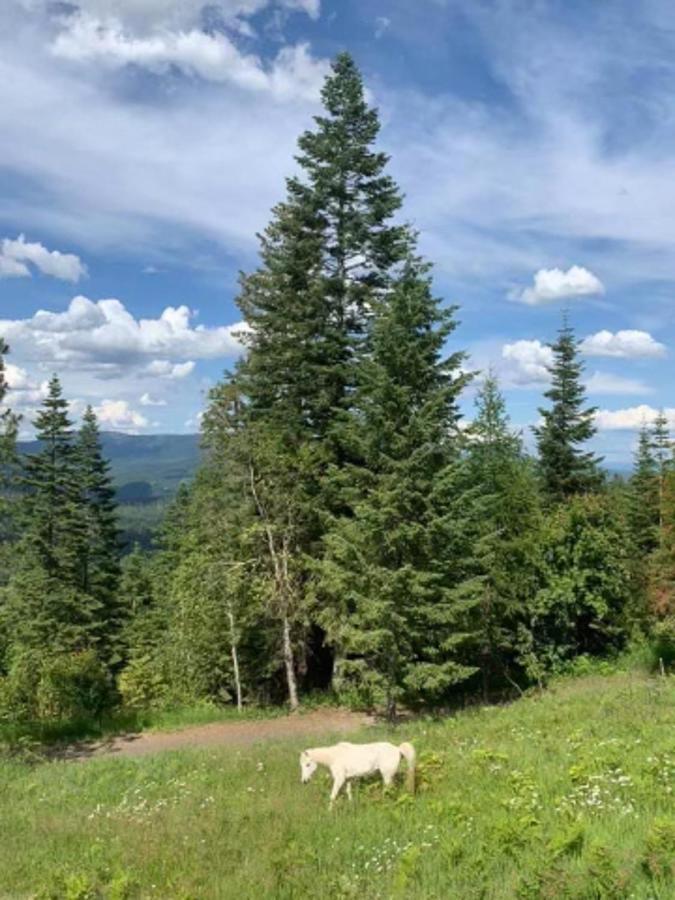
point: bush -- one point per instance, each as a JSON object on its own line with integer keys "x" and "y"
{"x": 663, "y": 637}
{"x": 143, "y": 684}
{"x": 59, "y": 687}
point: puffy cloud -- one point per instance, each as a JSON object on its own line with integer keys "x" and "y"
{"x": 556, "y": 284}
{"x": 212, "y": 56}
{"x": 607, "y": 383}
{"x": 631, "y": 419}
{"x": 24, "y": 391}
{"x": 118, "y": 415}
{"x": 529, "y": 362}
{"x": 149, "y": 400}
{"x": 103, "y": 334}
{"x": 14, "y": 254}
{"x": 160, "y": 368}
{"x": 629, "y": 344}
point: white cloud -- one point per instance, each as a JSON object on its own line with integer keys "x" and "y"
{"x": 529, "y": 362}
{"x": 147, "y": 14}
{"x": 382, "y": 23}
{"x": 211, "y": 56}
{"x": 104, "y": 333}
{"x": 556, "y": 284}
{"x": 607, "y": 383}
{"x": 14, "y": 254}
{"x": 631, "y": 419}
{"x": 629, "y": 344}
{"x": 160, "y": 368}
{"x": 118, "y": 415}
{"x": 149, "y": 400}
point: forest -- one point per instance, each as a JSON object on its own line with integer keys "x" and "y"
{"x": 348, "y": 532}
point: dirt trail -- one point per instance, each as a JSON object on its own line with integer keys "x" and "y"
{"x": 217, "y": 734}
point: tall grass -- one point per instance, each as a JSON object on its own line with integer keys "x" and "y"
{"x": 566, "y": 795}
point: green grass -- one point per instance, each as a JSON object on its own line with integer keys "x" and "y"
{"x": 568, "y": 795}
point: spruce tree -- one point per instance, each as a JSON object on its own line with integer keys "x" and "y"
{"x": 55, "y": 521}
{"x": 9, "y": 424}
{"x": 98, "y": 555}
{"x": 662, "y": 447}
{"x": 567, "y": 469}
{"x": 399, "y": 617}
{"x": 643, "y": 498}
{"x": 505, "y": 526}
{"x": 330, "y": 251}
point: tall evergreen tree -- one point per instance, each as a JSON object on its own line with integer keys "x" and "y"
{"x": 55, "y": 523}
{"x": 327, "y": 256}
{"x": 643, "y": 505}
{"x": 662, "y": 448}
{"x": 399, "y": 617}
{"x": 567, "y": 468}
{"x": 9, "y": 423}
{"x": 505, "y": 525}
{"x": 98, "y": 554}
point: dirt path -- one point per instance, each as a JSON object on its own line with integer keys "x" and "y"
{"x": 333, "y": 722}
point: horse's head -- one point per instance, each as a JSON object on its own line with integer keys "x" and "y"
{"x": 307, "y": 766}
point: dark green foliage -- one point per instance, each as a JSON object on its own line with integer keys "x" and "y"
{"x": 98, "y": 555}
{"x": 399, "y": 616}
{"x": 567, "y": 425}
{"x": 585, "y": 586}
{"x": 9, "y": 423}
{"x": 505, "y": 526}
{"x": 55, "y": 524}
{"x": 644, "y": 511}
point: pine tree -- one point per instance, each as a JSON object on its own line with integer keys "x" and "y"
{"x": 399, "y": 618}
{"x": 9, "y": 424}
{"x": 98, "y": 554}
{"x": 643, "y": 508}
{"x": 662, "y": 447}
{"x": 55, "y": 521}
{"x": 328, "y": 254}
{"x": 505, "y": 527}
{"x": 566, "y": 468}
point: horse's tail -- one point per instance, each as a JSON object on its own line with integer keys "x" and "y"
{"x": 408, "y": 751}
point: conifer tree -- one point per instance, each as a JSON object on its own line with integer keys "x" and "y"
{"x": 567, "y": 468}
{"x": 55, "y": 521}
{"x": 505, "y": 526}
{"x": 399, "y": 618}
{"x": 328, "y": 254}
{"x": 9, "y": 423}
{"x": 662, "y": 448}
{"x": 643, "y": 500}
{"x": 98, "y": 554}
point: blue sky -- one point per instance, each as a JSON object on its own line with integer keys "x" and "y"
{"x": 143, "y": 143}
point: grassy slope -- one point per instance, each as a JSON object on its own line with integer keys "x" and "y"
{"x": 569, "y": 795}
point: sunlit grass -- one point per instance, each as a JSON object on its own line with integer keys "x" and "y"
{"x": 568, "y": 795}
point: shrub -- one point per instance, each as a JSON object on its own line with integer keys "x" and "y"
{"x": 58, "y": 687}
{"x": 143, "y": 684}
{"x": 663, "y": 637}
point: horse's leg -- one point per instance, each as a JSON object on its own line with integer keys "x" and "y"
{"x": 387, "y": 778}
{"x": 338, "y": 781}
{"x": 349, "y": 789}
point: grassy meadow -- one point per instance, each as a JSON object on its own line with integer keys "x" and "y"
{"x": 566, "y": 795}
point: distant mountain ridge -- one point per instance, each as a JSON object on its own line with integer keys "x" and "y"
{"x": 145, "y": 467}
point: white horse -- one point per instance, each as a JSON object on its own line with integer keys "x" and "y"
{"x": 347, "y": 761}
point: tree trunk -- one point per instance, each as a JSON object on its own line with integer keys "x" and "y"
{"x": 290, "y": 666}
{"x": 235, "y": 660}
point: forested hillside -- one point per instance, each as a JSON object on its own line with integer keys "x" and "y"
{"x": 347, "y": 529}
